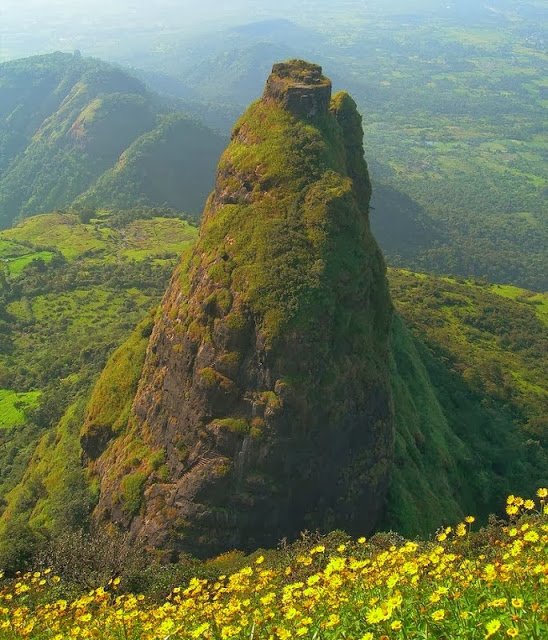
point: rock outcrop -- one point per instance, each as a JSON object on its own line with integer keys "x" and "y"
{"x": 264, "y": 404}
{"x": 299, "y": 87}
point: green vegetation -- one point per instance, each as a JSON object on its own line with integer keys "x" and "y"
{"x": 108, "y": 411}
{"x": 467, "y": 374}
{"x": 172, "y": 165}
{"x": 497, "y": 346}
{"x": 284, "y": 280}
{"x": 15, "y": 406}
{"x": 470, "y": 393}
{"x": 73, "y": 128}
{"x": 132, "y": 491}
{"x": 454, "y": 113}
{"x": 60, "y": 319}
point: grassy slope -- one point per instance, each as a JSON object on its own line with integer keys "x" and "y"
{"x": 65, "y": 120}
{"x": 470, "y": 394}
{"x": 14, "y": 407}
{"x": 154, "y": 170}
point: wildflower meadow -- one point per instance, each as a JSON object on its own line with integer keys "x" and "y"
{"x": 463, "y": 583}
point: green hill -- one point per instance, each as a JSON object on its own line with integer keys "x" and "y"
{"x": 80, "y": 373}
{"x": 66, "y": 120}
{"x": 471, "y": 398}
{"x": 172, "y": 166}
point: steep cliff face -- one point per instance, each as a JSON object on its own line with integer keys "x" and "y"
{"x": 264, "y": 403}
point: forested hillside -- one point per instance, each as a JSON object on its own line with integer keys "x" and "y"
{"x": 67, "y": 120}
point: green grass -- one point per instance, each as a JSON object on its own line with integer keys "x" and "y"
{"x": 63, "y": 232}
{"x": 10, "y": 249}
{"x": 156, "y": 237}
{"x": 537, "y": 301}
{"x": 14, "y": 407}
{"x": 16, "y": 265}
{"x": 60, "y": 231}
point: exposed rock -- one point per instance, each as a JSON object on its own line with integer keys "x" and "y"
{"x": 300, "y": 88}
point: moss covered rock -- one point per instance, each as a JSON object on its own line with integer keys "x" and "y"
{"x": 266, "y": 380}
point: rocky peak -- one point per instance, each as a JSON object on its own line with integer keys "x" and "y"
{"x": 300, "y": 87}
{"x": 264, "y": 404}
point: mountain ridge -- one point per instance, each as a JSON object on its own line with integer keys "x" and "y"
{"x": 94, "y": 120}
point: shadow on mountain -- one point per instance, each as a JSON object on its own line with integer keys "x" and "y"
{"x": 401, "y": 225}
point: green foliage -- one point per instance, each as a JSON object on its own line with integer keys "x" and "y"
{"x": 235, "y": 425}
{"x": 172, "y": 165}
{"x": 132, "y": 491}
{"x": 469, "y": 390}
{"x": 14, "y": 407}
{"x": 72, "y": 126}
{"x": 52, "y": 494}
{"x": 110, "y": 404}
{"x": 454, "y": 130}
{"x": 496, "y": 344}
{"x": 60, "y": 322}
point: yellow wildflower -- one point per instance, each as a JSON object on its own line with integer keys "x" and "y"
{"x": 531, "y": 536}
{"x": 492, "y": 627}
{"x": 376, "y": 615}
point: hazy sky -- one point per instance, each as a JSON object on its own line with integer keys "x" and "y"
{"x": 108, "y": 27}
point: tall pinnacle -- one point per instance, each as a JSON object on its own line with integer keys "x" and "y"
{"x": 264, "y": 404}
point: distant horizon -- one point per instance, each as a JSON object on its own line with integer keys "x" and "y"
{"x": 117, "y": 31}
